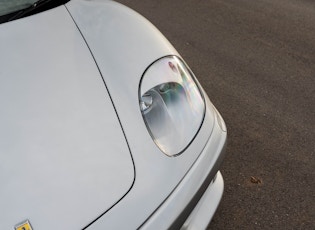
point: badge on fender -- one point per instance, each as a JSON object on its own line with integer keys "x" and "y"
{"x": 25, "y": 225}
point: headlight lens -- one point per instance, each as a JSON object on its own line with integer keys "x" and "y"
{"x": 171, "y": 104}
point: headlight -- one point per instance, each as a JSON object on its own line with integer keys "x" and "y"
{"x": 171, "y": 104}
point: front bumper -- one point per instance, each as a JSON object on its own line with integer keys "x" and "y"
{"x": 193, "y": 202}
{"x": 207, "y": 205}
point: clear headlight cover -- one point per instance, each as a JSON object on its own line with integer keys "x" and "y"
{"x": 171, "y": 104}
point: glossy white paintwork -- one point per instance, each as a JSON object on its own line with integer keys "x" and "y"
{"x": 63, "y": 157}
{"x": 205, "y": 165}
{"x": 123, "y": 45}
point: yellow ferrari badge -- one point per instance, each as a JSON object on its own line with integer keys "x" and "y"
{"x": 25, "y": 225}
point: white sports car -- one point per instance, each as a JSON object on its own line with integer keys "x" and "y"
{"x": 102, "y": 123}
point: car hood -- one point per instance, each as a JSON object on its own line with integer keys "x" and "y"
{"x": 64, "y": 159}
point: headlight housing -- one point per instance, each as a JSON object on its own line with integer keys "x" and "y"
{"x": 171, "y": 103}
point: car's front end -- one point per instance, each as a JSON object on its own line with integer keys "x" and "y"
{"x": 140, "y": 143}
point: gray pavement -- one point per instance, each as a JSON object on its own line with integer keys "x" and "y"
{"x": 256, "y": 60}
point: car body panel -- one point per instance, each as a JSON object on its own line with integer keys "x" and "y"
{"x": 152, "y": 202}
{"x": 100, "y": 50}
{"x": 118, "y": 37}
{"x": 202, "y": 214}
{"x": 179, "y": 208}
{"x": 64, "y": 158}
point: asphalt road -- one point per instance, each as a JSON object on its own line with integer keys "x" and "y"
{"x": 256, "y": 60}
